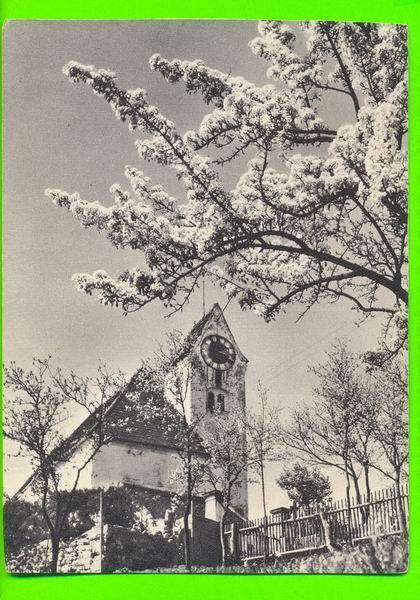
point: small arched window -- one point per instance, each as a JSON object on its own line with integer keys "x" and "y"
{"x": 210, "y": 402}
{"x": 221, "y": 403}
{"x": 218, "y": 378}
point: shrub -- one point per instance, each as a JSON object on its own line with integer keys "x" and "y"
{"x": 127, "y": 550}
{"x": 23, "y": 525}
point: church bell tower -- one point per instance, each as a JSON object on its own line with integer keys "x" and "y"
{"x": 217, "y": 370}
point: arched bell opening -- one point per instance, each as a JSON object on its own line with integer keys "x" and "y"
{"x": 210, "y": 404}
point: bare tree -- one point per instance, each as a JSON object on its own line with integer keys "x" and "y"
{"x": 336, "y": 430}
{"x": 261, "y": 427}
{"x": 365, "y": 447}
{"x": 390, "y": 421}
{"x": 308, "y": 436}
{"x": 358, "y": 420}
{"x": 165, "y": 380}
{"x": 227, "y": 462}
{"x": 43, "y": 399}
{"x": 389, "y": 424}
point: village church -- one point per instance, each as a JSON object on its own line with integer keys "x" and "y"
{"x": 145, "y": 456}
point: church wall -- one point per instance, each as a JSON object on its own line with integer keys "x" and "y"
{"x": 67, "y": 472}
{"x": 122, "y": 462}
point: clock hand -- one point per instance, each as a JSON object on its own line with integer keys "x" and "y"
{"x": 223, "y": 355}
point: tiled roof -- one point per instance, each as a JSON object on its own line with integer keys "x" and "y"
{"x": 122, "y": 421}
{"x": 124, "y": 414}
{"x": 124, "y": 410}
{"x": 126, "y": 423}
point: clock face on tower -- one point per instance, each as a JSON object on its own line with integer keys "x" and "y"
{"x": 218, "y": 352}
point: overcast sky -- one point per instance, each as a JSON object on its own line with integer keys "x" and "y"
{"x": 57, "y": 135}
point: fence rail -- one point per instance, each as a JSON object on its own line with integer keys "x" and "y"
{"x": 312, "y": 527}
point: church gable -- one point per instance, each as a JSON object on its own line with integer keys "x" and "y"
{"x": 123, "y": 421}
{"x": 213, "y": 323}
{"x": 217, "y": 366}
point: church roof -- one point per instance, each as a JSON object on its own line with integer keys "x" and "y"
{"x": 198, "y": 328}
{"x": 126, "y": 421}
{"x": 123, "y": 414}
{"x": 123, "y": 419}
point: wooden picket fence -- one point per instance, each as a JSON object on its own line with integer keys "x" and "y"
{"x": 311, "y": 528}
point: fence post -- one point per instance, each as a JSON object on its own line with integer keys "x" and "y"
{"x": 401, "y": 511}
{"x": 326, "y": 529}
{"x": 266, "y": 549}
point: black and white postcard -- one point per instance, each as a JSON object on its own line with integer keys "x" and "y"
{"x": 205, "y": 297}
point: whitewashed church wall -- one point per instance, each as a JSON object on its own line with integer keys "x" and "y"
{"x": 121, "y": 462}
{"x": 67, "y": 473}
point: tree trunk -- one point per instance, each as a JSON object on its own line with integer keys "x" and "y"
{"x": 265, "y": 511}
{"x": 367, "y": 482}
{"x": 187, "y": 540}
{"x": 366, "y": 511}
{"x": 358, "y": 494}
{"x": 356, "y": 488}
{"x": 263, "y": 489}
{"x": 101, "y": 527}
{"x": 187, "y": 532}
{"x": 350, "y": 536}
{"x": 223, "y": 538}
{"x": 55, "y": 549}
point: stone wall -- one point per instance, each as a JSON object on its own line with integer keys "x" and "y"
{"x": 125, "y": 550}
{"x": 81, "y": 555}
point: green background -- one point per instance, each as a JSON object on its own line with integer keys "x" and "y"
{"x": 206, "y": 587}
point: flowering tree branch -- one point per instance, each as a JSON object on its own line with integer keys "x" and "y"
{"x": 302, "y": 230}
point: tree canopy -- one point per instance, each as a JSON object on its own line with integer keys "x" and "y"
{"x": 305, "y": 485}
{"x": 320, "y": 211}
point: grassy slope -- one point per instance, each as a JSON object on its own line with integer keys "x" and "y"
{"x": 386, "y": 555}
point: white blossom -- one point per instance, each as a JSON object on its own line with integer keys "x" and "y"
{"x": 302, "y": 223}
